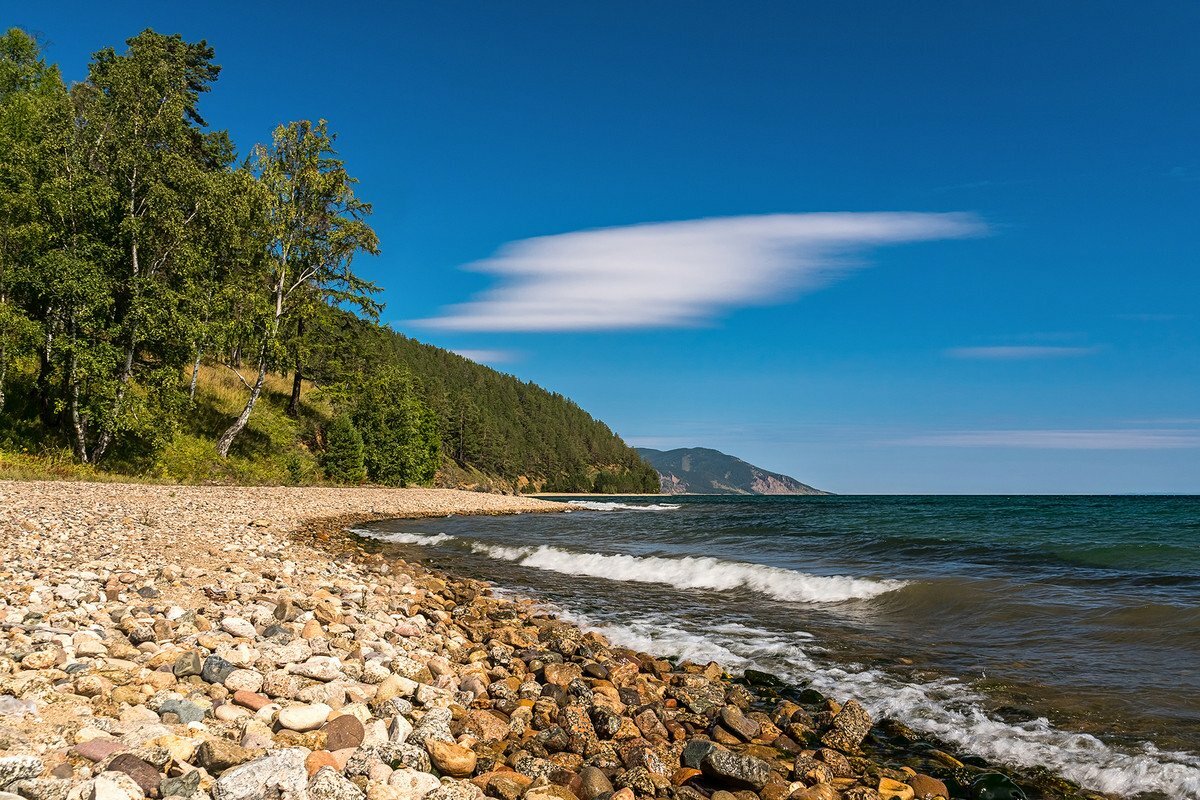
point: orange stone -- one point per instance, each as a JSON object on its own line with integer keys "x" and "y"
{"x": 683, "y": 775}
{"x": 320, "y": 758}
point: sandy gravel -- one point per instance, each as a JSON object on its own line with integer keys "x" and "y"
{"x": 205, "y": 526}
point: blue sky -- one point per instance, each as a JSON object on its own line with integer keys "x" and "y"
{"x": 999, "y": 292}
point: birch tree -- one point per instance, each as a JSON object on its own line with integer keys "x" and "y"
{"x": 313, "y": 226}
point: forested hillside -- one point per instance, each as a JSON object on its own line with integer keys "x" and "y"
{"x": 171, "y": 308}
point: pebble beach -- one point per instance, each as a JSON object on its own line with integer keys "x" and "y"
{"x": 239, "y": 644}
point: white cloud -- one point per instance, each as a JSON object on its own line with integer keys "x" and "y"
{"x": 1019, "y": 352}
{"x": 1109, "y": 439}
{"x": 678, "y": 274}
{"x": 488, "y": 356}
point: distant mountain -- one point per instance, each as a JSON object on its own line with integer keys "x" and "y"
{"x": 700, "y": 470}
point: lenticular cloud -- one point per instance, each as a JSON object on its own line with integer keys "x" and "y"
{"x": 678, "y": 274}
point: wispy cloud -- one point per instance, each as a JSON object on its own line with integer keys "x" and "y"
{"x": 1108, "y": 439}
{"x": 1019, "y": 352}
{"x": 488, "y": 356}
{"x": 678, "y": 274}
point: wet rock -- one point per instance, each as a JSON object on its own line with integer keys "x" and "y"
{"x": 735, "y": 769}
{"x": 562, "y": 674}
{"x": 849, "y": 727}
{"x": 737, "y": 722}
{"x": 994, "y": 786}
{"x": 551, "y": 792}
{"x": 639, "y": 779}
{"x": 890, "y": 789}
{"x": 822, "y": 791}
{"x": 926, "y": 787}
{"x": 695, "y": 751}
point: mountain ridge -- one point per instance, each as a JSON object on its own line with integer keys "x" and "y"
{"x": 703, "y": 470}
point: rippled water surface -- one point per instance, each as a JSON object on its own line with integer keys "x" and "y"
{"x": 1062, "y": 631}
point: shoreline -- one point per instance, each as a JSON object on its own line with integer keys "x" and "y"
{"x": 204, "y": 641}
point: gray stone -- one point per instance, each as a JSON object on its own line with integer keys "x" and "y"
{"x": 186, "y": 710}
{"x": 848, "y": 728}
{"x": 187, "y": 664}
{"x": 327, "y": 784}
{"x": 16, "y": 768}
{"x": 280, "y": 773}
{"x": 734, "y": 769}
{"x": 434, "y": 725}
{"x": 695, "y": 751}
{"x": 184, "y": 786}
{"x": 216, "y": 669}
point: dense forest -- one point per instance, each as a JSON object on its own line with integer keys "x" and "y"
{"x": 173, "y": 309}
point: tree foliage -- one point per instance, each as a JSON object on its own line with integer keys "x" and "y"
{"x": 136, "y": 249}
{"x": 343, "y": 457}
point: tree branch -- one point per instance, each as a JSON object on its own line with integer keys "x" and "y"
{"x": 239, "y": 376}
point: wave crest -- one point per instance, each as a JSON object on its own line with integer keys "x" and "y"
{"x": 600, "y": 505}
{"x": 695, "y": 572}
{"x": 397, "y": 537}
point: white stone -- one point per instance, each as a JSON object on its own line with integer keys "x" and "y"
{"x": 320, "y": 668}
{"x": 279, "y": 774}
{"x": 399, "y": 729}
{"x": 248, "y": 680}
{"x": 227, "y": 712}
{"x": 236, "y": 626}
{"x": 112, "y": 786}
{"x": 412, "y": 783}
{"x": 304, "y": 718}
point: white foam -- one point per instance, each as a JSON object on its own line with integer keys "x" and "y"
{"x": 397, "y": 537}
{"x": 693, "y": 572}
{"x": 945, "y": 708}
{"x": 598, "y": 505}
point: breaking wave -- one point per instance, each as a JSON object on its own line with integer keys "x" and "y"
{"x": 598, "y": 505}
{"x": 693, "y": 572}
{"x": 397, "y": 537}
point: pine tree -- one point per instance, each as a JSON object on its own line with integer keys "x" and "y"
{"x": 343, "y": 457}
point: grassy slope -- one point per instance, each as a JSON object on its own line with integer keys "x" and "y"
{"x": 272, "y": 449}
